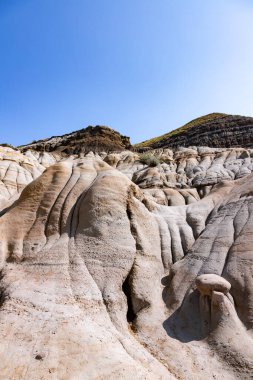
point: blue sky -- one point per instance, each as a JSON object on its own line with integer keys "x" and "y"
{"x": 142, "y": 67}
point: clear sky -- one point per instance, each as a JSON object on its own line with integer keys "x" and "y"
{"x": 142, "y": 67}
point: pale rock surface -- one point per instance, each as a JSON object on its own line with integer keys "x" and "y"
{"x": 60, "y": 284}
{"x": 100, "y": 281}
{"x": 184, "y": 174}
{"x": 16, "y": 172}
{"x": 209, "y": 283}
{"x": 45, "y": 159}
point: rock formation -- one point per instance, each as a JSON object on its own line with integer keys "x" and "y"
{"x": 16, "y": 171}
{"x": 214, "y": 130}
{"x": 114, "y": 269}
{"x": 99, "y": 138}
{"x": 183, "y": 175}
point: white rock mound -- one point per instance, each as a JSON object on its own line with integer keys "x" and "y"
{"x": 99, "y": 281}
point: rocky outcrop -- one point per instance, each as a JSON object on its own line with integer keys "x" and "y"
{"x": 96, "y": 139}
{"x": 118, "y": 266}
{"x": 60, "y": 285}
{"x": 183, "y": 175}
{"x": 214, "y": 130}
{"x": 100, "y": 281}
{"x": 16, "y": 172}
{"x": 209, "y": 283}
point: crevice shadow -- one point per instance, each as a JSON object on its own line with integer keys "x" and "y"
{"x": 3, "y": 290}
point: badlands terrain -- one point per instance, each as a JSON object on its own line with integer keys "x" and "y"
{"x": 129, "y": 262}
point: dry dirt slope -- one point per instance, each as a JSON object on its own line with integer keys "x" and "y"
{"x": 101, "y": 281}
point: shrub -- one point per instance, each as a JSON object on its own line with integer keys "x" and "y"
{"x": 5, "y": 145}
{"x": 149, "y": 159}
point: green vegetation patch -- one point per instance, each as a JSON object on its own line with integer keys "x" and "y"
{"x": 149, "y": 159}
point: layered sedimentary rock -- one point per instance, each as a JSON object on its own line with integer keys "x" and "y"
{"x": 16, "y": 171}
{"x": 183, "y": 175}
{"x": 98, "y": 138}
{"x": 213, "y": 130}
{"x": 99, "y": 280}
{"x": 120, "y": 264}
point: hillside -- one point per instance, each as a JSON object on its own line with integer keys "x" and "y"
{"x": 215, "y": 130}
{"x": 98, "y": 138}
{"x": 119, "y": 265}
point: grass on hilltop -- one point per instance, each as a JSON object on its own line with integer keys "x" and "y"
{"x": 193, "y": 123}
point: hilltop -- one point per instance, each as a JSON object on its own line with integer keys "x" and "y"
{"x": 98, "y": 138}
{"x": 215, "y": 130}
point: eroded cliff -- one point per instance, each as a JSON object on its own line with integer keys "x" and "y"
{"x": 125, "y": 265}
{"x": 100, "y": 281}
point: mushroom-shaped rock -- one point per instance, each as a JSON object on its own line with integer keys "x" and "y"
{"x": 207, "y": 283}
